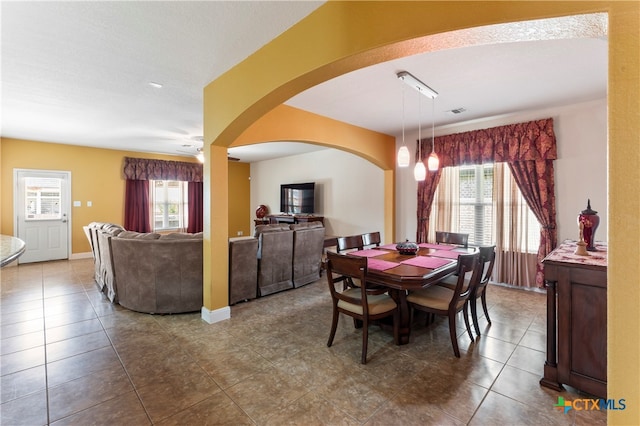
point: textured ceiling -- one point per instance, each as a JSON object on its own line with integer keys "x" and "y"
{"x": 79, "y": 72}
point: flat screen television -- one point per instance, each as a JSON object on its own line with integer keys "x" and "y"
{"x": 297, "y": 198}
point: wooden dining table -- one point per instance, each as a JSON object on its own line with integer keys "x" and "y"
{"x": 401, "y": 273}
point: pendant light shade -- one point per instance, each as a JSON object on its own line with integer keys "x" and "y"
{"x": 404, "y": 157}
{"x": 419, "y": 171}
{"x": 433, "y": 162}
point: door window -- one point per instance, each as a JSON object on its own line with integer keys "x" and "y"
{"x": 42, "y": 198}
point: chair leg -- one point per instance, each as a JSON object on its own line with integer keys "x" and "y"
{"x": 484, "y": 305}
{"x": 465, "y": 312}
{"x": 365, "y": 340}
{"x": 452, "y": 333}
{"x": 334, "y": 326}
{"x": 474, "y": 315}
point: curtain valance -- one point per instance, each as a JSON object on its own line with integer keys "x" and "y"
{"x": 146, "y": 169}
{"x": 530, "y": 141}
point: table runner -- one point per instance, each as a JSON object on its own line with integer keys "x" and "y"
{"x": 379, "y": 264}
{"x": 427, "y": 262}
{"x": 367, "y": 253}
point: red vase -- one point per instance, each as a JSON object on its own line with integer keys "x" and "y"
{"x": 261, "y": 211}
{"x": 590, "y": 221}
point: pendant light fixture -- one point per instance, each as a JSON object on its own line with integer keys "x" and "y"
{"x": 433, "y": 162}
{"x": 419, "y": 171}
{"x": 403, "y": 153}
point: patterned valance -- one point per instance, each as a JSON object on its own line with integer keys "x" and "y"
{"x": 530, "y": 141}
{"x": 146, "y": 169}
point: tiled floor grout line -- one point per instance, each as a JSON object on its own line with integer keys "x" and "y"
{"x": 46, "y": 360}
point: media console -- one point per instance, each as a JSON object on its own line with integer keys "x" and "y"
{"x": 294, "y": 218}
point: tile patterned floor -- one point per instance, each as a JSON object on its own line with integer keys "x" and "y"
{"x": 69, "y": 357}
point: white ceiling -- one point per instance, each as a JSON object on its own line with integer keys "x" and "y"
{"x": 79, "y": 72}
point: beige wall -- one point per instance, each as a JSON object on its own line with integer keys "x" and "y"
{"x": 339, "y": 177}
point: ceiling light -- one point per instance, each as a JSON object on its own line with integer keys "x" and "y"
{"x": 413, "y": 82}
{"x": 433, "y": 162}
{"x": 419, "y": 171}
{"x": 156, "y": 85}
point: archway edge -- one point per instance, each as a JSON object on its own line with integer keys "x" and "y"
{"x": 340, "y": 37}
{"x": 285, "y": 123}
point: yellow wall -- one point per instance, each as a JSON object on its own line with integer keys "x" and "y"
{"x": 96, "y": 176}
{"x": 343, "y": 36}
{"x": 239, "y": 196}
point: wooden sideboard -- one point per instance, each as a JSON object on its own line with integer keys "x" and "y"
{"x": 294, "y": 218}
{"x": 576, "y": 319}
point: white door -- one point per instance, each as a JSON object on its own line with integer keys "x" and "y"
{"x": 41, "y": 211}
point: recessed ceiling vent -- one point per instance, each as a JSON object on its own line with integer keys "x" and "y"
{"x": 457, "y": 110}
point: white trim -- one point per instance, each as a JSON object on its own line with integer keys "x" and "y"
{"x": 85, "y": 255}
{"x": 217, "y": 315}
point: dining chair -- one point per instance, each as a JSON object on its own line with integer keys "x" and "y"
{"x": 487, "y": 256}
{"x": 440, "y": 300}
{"x": 487, "y": 259}
{"x": 352, "y": 242}
{"x": 371, "y": 239}
{"x": 362, "y": 303}
{"x": 455, "y": 238}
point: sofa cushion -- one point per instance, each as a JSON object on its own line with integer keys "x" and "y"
{"x": 181, "y": 236}
{"x": 139, "y": 235}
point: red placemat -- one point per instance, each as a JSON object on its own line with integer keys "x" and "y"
{"x": 445, "y": 253}
{"x": 380, "y": 264}
{"x": 427, "y": 262}
{"x": 367, "y": 253}
{"x": 436, "y": 246}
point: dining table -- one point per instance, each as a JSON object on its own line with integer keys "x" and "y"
{"x": 401, "y": 273}
{"x": 10, "y": 249}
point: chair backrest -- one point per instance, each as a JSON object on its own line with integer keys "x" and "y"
{"x": 350, "y": 242}
{"x": 344, "y": 268}
{"x": 452, "y": 238}
{"x": 487, "y": 259}
{"x": 469, "y": 272}
{"x": 371, "y": 239}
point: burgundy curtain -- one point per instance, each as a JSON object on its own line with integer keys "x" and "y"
{"x": 136, "y": 206}
{"x": 426, "y": 193}
{"x": 196, "y": 204}
{"x": 537, "y": 185}
{"x": 529, "y": 148}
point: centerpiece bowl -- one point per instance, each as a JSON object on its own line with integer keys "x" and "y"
{"x": 407, "y": 247}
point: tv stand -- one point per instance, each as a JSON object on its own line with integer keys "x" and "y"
{"x": 295, "y": 218}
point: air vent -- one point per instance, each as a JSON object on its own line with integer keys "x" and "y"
{"x": 457, "y": 110}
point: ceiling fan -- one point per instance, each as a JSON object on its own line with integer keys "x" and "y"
{"x": 196, "y": 151}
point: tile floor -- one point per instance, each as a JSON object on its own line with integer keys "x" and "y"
{"x": 69, "y": 357}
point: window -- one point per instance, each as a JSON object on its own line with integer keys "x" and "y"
{"x": 476, "y": 203}
{"x": 169, "y": 204}
{"x": 42, "y": 198}
{"x": 488, "y": 206}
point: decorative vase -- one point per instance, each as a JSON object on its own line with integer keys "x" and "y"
{"x": 590, "y": 221}
{"x": 261, "y": 211}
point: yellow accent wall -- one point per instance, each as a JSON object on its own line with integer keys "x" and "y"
{"x": 344, "y": 36}
{"x": 96, "y": 176}
{"x": 239, "y": 197}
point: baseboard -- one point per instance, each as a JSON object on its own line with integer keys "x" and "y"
{"x": 85, "y": 255}
{"x": 217, "y": 315}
